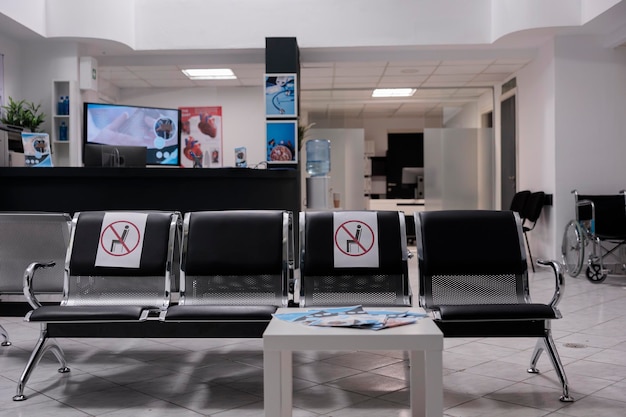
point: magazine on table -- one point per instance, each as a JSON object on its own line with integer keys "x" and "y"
{"x": 353, "y": 316}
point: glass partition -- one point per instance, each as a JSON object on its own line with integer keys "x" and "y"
{"x": 459, "y": 168}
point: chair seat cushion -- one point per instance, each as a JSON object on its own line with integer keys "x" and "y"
{"x": 494, "y": 312}
{"x": 86, "y": 313}
{"x": 219, "y": 312}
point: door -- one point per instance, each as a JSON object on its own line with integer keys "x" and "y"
{"x": 403, "y": 150}
{"x": 508, "y": 155}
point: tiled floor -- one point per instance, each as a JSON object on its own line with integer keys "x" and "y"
{"x": 224, "y": 378}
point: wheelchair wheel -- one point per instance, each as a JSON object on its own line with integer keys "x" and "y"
{"x": 573, "y": 248}
{"x": 594, "y": 273}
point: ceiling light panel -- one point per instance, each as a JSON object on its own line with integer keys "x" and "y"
{"x": 209, "y": 73}
{"x": 393, "y": 92}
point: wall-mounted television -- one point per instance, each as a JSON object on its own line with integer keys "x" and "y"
{"x": 157, "y": 129}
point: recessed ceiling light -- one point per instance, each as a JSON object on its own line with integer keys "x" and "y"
{"x": 210, "y": 74}
{"x": 393, "y": 92}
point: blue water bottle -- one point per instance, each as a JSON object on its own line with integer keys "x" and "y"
{"x": 61, "y": 106}
{"x": 63, "y": 132}
{"x": 66, "y": 105}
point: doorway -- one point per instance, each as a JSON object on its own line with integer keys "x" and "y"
{"x": 403, "y": 150}
{"x": 508, "y": 156}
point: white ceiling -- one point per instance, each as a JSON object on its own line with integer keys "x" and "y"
{"x": 337, "y": 82}
{"x": 343, "y": 89}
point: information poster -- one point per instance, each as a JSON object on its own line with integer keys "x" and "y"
{"x": 281, "y": 98}
{"x": 37, "y": 151}
{"x": 281, "y": 138}
{"x": 201, "y": 137}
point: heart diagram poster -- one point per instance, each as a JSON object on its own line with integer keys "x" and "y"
{"x": 201, "y": 138}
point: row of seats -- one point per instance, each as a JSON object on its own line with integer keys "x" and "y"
{"x": 235, "y": 267}
{"x": 227, "y": 267}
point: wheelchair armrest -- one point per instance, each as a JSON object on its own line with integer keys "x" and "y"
{"x": 559, "y": 279}
{"x": 29, "y": 274}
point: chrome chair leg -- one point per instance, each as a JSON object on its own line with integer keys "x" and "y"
{"x": 539, "y": 348}
{"x": 558, "y": 367}
{"x": 547, "y": 343}
{"x": 38, "y": 351}
{"x": 5, "y": 336}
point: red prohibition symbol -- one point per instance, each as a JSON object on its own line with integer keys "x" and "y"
{"x": 354, "y": 238}
{"x": 117, "y": 236}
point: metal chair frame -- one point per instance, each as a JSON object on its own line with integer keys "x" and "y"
{"x": 94, "y": 299}
{"x": 24, "y": 238}
{"x": 480, "y": 287}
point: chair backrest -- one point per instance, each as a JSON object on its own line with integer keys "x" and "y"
{"x": 519, "y": 201}
{"x": 236, "y": 257}
{"x": 121, "y": 258}
{"x": 471, "y": 257}
{"x": 353, "y": 257}
{"x": 533, "y": 207}
{"x": 608, "y": 211}
{"x": 33, "y": 237}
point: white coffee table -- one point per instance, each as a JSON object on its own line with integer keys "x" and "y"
{"x": 423, "y": 340}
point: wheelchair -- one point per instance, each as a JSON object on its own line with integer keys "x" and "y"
{"x": 598, "y": 230}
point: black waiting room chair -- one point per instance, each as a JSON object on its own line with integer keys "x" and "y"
{"x": 234, "y": 268}
{"x": 117, "y": 270}
{"x": 333, "y": 246}
{"x": 26, "y": 237}
{"x": 473, "y": 277}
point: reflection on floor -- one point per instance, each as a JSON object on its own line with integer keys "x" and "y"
{"x": 224, "y": 378}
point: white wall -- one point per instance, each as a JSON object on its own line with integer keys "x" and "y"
{"x": 536, "y": 129}
{"x": 465, "y": 116}
{"x": 12, "y": 58}
{"x": 590, "y": 121}
{"x": 41, "y": 63}
{"x": 208, "y": 24}
{"x": 243, "y": 114}
{"x": 571, "y": 129}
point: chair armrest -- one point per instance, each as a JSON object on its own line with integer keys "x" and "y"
{"x": 29, "y": 274}
{"x": 559, "y": 280}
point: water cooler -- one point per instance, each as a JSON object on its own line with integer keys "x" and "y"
{"x": 318, "y": 167}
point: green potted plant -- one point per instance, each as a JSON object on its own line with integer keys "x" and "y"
{"x": 23, "y": 114}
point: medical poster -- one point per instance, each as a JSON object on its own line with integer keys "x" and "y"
{"x": 37, "y": 151}
{"x": 201, "y": 137}
{"x": 281, "y": 98}
{"x": 281, "y": 138}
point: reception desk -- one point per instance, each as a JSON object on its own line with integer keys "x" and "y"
{"x": 72, "y": 189}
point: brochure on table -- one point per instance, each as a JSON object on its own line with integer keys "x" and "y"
{"x": 353, "y": 316}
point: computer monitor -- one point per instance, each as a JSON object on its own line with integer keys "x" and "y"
{"x": 99, "y": 155}
{"x": 413, "y": 180}
{"x": 156, "y": 129}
